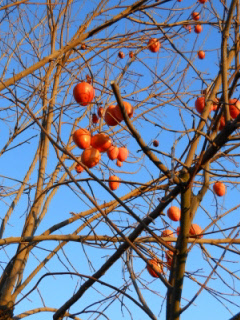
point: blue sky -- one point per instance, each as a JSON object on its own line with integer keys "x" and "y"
{"x": 149, "y": 69}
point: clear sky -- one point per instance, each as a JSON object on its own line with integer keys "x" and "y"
{"x": 164, "y": 74}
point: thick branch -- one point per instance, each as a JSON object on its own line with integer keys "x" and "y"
{"x": 224, "y": 47}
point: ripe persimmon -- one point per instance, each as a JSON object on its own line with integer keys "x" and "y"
{"x": 114, "y": 182}
{"x": 234, "y": 108}
{"x": 123, "y": 154}
{"x": 198, "y": 28}
{"x": 82, "y": 138}
{"x": 90, "y": 157}
{"x": 167, "y": 233}
{"x": 174, "y": 213}
{"x": 101, "y": 141}
{"x": 195, "y": 229}
{"x": 113, "y": 152}
{"x": 201, "y": 54}
{"x": 154, "y": 45}
{"x": 200, "y": 104}
{"x": 118, "y": 113}
{"x": 83, "y": 93}
{"x": 110, "y": 116}
{"x": 195, "y": 16}
{"x": 157, "y": 266}
{"x": 119, "y": 163}
{"x": 219, "y": 188}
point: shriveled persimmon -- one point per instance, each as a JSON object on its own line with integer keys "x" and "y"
{"x": 79, "y": 168}
{"x": 131, "y": 54}
{"x": 178, "y": 230}
{"x": 222, "y": 123}
{"x": 169, "y": 257}
{"x": 215, "y": 104}
{"x": 121, "y": 55}
{"x": 88, "y": 79}
{"x": 100, "y": 112}
{"x": 188, "y": 27}
{"x": 95, "y": 118}
{"x": 155, "y": 143}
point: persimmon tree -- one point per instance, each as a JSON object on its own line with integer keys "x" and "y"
{"x": 87, "y": 232}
